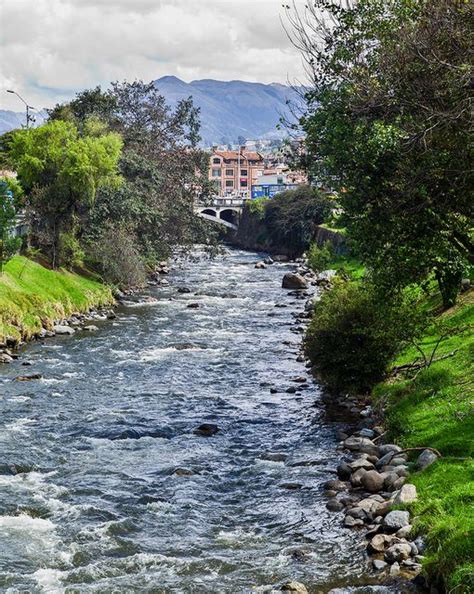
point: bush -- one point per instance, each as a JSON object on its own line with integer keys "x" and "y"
{"x": 356, "y": 332}
{"x": 72, "y": 255}
{"x": 320, "y": 257}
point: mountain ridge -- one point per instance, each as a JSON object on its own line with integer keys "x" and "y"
{"x": 228, "y": 109}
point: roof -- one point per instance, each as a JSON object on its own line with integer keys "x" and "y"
{"x": 244, "y": 155}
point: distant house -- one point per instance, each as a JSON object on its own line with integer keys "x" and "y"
{"x": 269, "y": 185}
{"x": 235, "y": 172}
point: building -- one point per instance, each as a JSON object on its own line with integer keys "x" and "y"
{"x": 270, "y": 184}
{"x": 234, "y": 172}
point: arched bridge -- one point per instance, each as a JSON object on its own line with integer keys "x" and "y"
{"x": 224, "y": 211}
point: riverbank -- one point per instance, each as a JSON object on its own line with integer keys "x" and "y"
{"x": 428, "y": 409}
{"x": 34, "y": 298}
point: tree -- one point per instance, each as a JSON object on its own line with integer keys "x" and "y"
{"x": 61, "y": 171}
{"x": 388, "y": 126}
{"x": 163, "y": 169}
{"x": 9, "y": 244}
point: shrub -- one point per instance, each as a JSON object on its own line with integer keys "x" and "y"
{"x": 355, "y": 333}
{"x": 320, "y": 257}
{"x": 72, "y": 255}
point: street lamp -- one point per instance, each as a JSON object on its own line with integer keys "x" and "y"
{"x": 29, "y": 118}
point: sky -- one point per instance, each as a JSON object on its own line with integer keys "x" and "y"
{"x": 50, "y": 49}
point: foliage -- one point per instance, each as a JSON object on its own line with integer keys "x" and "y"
{"x": 126, "y": 271}
{"x": 388, "y": 127}
{"x": 291, "y": 217}
{"x": 257, "y": 206}
{"x": 320, "y": 257}
{"x": 61, "y": 172}
{"x": 163, "y": 170}
{"x": 355, "y": 333}
{"x": 72, "y": 255}
{"x": 9, "y": 245}
{"x": 31, "y": 296}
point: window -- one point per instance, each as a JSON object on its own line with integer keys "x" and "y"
{"x": 243, "y": 172}
{"x": 279, "y": 180}
{"x": 229, "y": 183}
{"x": 216, "y": 173}
{"x": 243, "y": 183}
{"x": 229, "y": 172}
{"x": 216, "y": 161}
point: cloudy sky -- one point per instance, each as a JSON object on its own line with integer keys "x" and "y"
{"x": 51, "y": 48}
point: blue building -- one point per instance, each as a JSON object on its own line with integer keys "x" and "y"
{"x": 270, "y": 185}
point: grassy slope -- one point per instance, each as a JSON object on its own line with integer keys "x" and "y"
{"x": 32, "y": 296}
{"x": 436, "y": 409}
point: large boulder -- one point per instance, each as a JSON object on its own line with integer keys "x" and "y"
{"x": 293, "y": 280}
{"x": 395, "y": 520}
{"x": 372, "y": 481}
{"x": 407, "y": 494}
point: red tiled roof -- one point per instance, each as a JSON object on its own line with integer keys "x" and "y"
{"x": 244, "y": 155}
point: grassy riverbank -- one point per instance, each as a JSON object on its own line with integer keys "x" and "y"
{"x": 32, "y": 297}
{"x": 434, "y": 408}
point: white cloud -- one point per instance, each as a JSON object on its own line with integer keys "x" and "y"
{"x": 51, "y": 48}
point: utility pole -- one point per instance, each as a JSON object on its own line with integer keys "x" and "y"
{"x": 29, "y": 118}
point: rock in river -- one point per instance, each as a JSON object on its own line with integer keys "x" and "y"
{"x": 63, "y": 329}
{"x": 295, "y": 587}
{"x": 206, "y": 429}
{"x": 292, "y": 280}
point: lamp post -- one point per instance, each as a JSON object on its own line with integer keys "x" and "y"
{"x": 29, "y": 118}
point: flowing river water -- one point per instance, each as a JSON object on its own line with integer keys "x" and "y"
{"x": 121, "y": 496}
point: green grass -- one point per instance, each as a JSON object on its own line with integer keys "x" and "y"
{"x": 32, "y": 297}
{"x": 436, "y": 409}
{"x": 349, "y": 265}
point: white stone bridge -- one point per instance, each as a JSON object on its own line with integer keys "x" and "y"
{"x": 222, "y": 210}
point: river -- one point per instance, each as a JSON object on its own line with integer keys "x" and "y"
{"x": 122, "y": 496}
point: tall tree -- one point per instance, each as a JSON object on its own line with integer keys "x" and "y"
{"x": 61, "y": 171}
{"x": 388, "y": 125}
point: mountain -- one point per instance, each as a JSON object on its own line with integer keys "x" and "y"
{"x": 10, "y": 120}
{"x": 230, "y": 109}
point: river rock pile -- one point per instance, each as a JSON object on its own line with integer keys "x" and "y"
{"x": 65, "y": 327}
{"x": 371, "y": 483}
